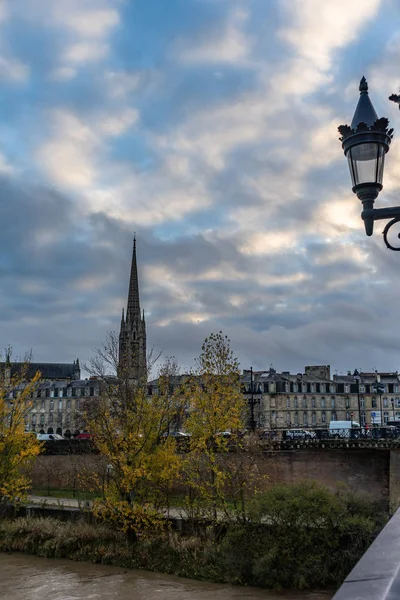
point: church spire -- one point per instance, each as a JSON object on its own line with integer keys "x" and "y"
{"x": 133, "y": 309}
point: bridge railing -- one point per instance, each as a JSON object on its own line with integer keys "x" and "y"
{"x": 376, "y": 576}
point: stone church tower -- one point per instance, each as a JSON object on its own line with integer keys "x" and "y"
{"x": 132, "y": 337}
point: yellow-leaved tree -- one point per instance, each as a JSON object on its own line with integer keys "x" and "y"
{"x": 129, "y": 428}
{"x": 215, "y": 421}
{"x": 18, "y": 449}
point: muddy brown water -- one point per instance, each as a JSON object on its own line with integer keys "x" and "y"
{"x": 24, "y": 577}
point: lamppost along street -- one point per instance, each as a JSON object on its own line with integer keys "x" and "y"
{"x": 379, "y": 389}
{"x": 252, "y": 401}
{"x": 357, "y": 379}
{"x": 365, "y": 143}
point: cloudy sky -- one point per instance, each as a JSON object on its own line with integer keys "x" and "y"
{"x": 209, "y": 127}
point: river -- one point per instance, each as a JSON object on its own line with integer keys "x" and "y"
{"x": 24, "y": 577}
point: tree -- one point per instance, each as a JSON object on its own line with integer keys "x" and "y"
{"x": 18, "y": 449}
{"x": 217, "y": 410}
{"x": 128, "y": 427}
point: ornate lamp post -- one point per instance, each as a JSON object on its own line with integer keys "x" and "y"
{"x": 357, "y": 379}
{"x": 252, "y": 402}
{"x": 365, "y": 143}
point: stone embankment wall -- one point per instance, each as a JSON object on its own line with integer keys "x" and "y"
{"x": 376, "y": 472}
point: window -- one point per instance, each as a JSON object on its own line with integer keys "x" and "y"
{"x": 68, "y": 403}
{"x": 51, "y": 393}
{"x": 373, "y": 403}
{"x": 362, "y": 388}
{"x": 312, "y": 388}
{"x": 296, "y": 419}
{"x": 69, "y": 392}
{"x": 385, "y": 402}
{"x": 322, "y": 388}
{"x": 396, "y": 388}
{"x": 304, "y": 402}
{"x": 348, "y": 416}
{"x": 363, "y": 419}
{"x": 91, "y": 391}
{"x": 333, "y": 404}
{"x": 51, "y": 404}
{"x": 33, "y": 419}
{"x": 313, "y": 403}
{"x": 323, "y": 402}
{"x": 397, "y": 417}
{"x": 346, "y": 388}
{"x": 295, "y": 387}
{"x": 42, "y": 419}
{"x": 287, "y": 387}
{"x": 78, "y": 391}
{"x": 332, "y": 388}
{"x": 51, "y": 418}
{"x": 42, "y": 405}
{"x": 303, "y": 388}
{"x": 87, "y": 390}
{"x": 305, "y": 419}
{"x": 385, "y": 417}
{"x": 362, "y": 402}
{"x": 314, "y": 419}
{"x": 333, "y": 416}
{"x": 397, "y": 400}
{"x": 288, "y": 419}
{"x": 347, "y": 402}
{"x": 265, "y": 388}
{"x": 60, "y": 392}
{"x": 56, "y": 393}
{"x": 323, "y": 416}
{"x": 60, "y": 405}
{"x": 296, "y": 402}
{"x": 288, "y": 402}
{"x": 74, "y": 392}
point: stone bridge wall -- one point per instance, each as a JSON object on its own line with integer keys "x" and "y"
{"x": 373, "y": 471}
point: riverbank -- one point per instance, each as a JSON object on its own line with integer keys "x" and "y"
{"x": 247, "y": 555}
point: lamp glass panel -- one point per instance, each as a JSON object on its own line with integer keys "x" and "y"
{"x": 366, "y": 162}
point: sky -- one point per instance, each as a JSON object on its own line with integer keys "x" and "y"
{"x": 209, "y": 128}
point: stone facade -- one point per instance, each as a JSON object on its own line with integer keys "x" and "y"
{"x": 312, "y": 399}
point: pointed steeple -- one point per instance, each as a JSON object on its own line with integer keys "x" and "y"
{"x": 133, "y": 309}
{"x": 365, "y": 112}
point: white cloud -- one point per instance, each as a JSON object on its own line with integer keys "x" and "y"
{"x": 63, "y": 73}
{"x": 230, "y": 45}
{"x": 5, "y": 167}
{"x": 68, "y": 156}
{"x": 115, "y": 125}
{"x": 121, "y": 83}
{"x": 12, "y": 69}
{"x": 87, "y": 23}
{"x": 84, "y": 52}
{"x": 317, "y": 28}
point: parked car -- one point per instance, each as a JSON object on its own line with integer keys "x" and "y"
{"x": 45, "y": 437}
{"x": 85, "y": 435}
{"x": 177, "y": 434}
{"x": 300, "y": 434}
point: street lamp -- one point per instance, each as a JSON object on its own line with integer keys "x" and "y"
{"x": 379, "y": 389}
{"x": 252, "y": 401}
{"x": 357, "y": 379}
{"x": 365, "y": 143}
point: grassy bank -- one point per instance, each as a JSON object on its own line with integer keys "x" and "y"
{"x": 252, "y": 554}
